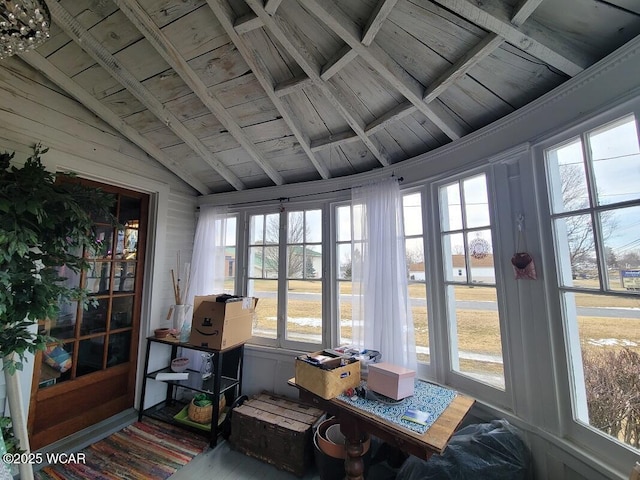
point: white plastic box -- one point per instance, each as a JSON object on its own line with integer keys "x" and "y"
{"x": 391, "y": 380}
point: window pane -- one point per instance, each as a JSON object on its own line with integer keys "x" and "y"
{"x": 616, "y": 162}
{"x": 343, "y": 224}
{"x": 414, "y": 249}
{"x": 266, "y": 318}
{"x": 94, "y": 318}
{"x": 476, "y": 203}
{"x": 313, "y": 262}
{"x": 344, "y": 312}
{"x": 304, "y": 311}
{"x": 412, "y": 209}
{"x": 418, "y": 299}
{"x": 56, "y": 365}
{"x": 481, "y": 257}
{"x": 121, "y": 312}
{"x": 64, "y": 325}
{"x": 295, "y": 227}
{"x": 271, "y": 255}
{"x": 119, "y": 347}
{"x": 295, "y": 261}
{"x": 576, "y": 251}
{"x": 230, "y": 270}
{"x": 455, "y": 269}
{"x": 357, "y": 222}
{"x": 256, "y": 230}
{"x": 125, "y": 276}
{"x": 98, "y": 277}
{"x": 621, "y": 232}
{"x": 313, "y": 230}
{"x": 90, "y": 353}
{"x": 450, "y": 208}
{"x": 343, "y": 257}
{"x": 568, "y": 184}
{"x": 272, "y": 234}
{"x": 606, "y": 361}
{"x": 255, "y": 262}
{"x": 476, "y": 345}
{"x": 104, "y": 237}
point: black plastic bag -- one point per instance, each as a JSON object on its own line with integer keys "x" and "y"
{"x": 486, "y": 450}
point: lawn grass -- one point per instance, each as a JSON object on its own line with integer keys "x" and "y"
{"x": 478, "y": 330}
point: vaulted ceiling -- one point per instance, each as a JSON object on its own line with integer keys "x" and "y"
{"x": 238, "y": 94}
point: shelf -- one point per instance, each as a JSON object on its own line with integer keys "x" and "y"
{"x": 195, "y": 382}
{"x": 168, "y": 410}
{"x": 166, "y": 413}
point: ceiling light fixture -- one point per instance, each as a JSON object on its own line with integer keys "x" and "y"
{"x": 24, "y": 25}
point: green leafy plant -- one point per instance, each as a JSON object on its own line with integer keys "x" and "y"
{"x": 46, "y": 222}
{"x": 11, "y": 443}
{"x": 202, "y": 400}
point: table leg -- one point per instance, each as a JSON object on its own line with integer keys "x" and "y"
{"x": 353, "y": 464}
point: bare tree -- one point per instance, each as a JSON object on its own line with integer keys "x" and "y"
{"x": 579, "y": 228}
{"x": 296, "y": 231}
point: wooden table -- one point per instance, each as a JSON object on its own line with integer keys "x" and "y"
{"x": 354, "y": 421}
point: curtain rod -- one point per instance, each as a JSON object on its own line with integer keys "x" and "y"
{"x": 287, "y": 199}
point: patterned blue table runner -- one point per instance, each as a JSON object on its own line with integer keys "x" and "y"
{"x": 427, "y": 397}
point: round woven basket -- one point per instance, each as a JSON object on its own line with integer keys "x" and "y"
{"x": 204, "y": 414}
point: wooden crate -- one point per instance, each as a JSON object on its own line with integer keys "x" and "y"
{"x": 277, "y": 430}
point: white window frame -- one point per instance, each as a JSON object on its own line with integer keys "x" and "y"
{"x": 561, "y": 334}
{"x": 243, "y": 281}
{"x": 442, "y": 363}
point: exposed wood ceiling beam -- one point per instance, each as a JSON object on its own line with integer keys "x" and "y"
{"x": 503, "y": 27}
{"x": 340, "y": 60}
{"x": 481, "y": 50}
{"x": 334, "y": 140}
{"x": 377, "y": 18}
{"x": 524, "y": 11}
{"x": 396, "y": 113}
{"x": 102, "y": 56}
{"x": 271, "y": 6}
{"x": 163, "y": 46}
{"x": 292, "y": 85}
{"x": 298, "y": 52}
{"x": 224, "y": 15}
{"x": 246, "y": 23}
{"x": 41, "y": 64}
{"x": 331, "y": 14}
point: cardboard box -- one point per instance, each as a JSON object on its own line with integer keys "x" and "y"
{"x": 276, "y": 430}
{"x": 327, "y": 383}
{"x": 390, "y": 380}
{"x": 219, "y": 325}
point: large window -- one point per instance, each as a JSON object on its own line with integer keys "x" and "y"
{"x": 414, "y": 247}
{"x": 285, "y": 272}
{"x": 594, "y": 190}
{"x": 474, "y": 333}
{"x": 348, "y": 241}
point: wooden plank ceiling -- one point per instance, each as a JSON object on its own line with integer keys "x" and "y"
{"x": 238, "y": 94}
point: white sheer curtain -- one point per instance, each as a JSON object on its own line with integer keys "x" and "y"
{"x": 207, "y": 262}
{"x": 381, "y": 311}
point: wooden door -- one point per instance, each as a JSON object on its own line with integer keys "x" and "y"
{"x": 90, "y": 374}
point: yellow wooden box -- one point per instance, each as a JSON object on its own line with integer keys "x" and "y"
{"x": 327, "y": 383}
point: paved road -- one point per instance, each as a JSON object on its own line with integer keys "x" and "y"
{"x": 477, "y": 305}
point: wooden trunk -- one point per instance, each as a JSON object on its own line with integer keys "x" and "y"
{"x": 276, "y": 430}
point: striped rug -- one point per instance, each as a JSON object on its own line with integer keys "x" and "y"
{"x": 146, "y": 450}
